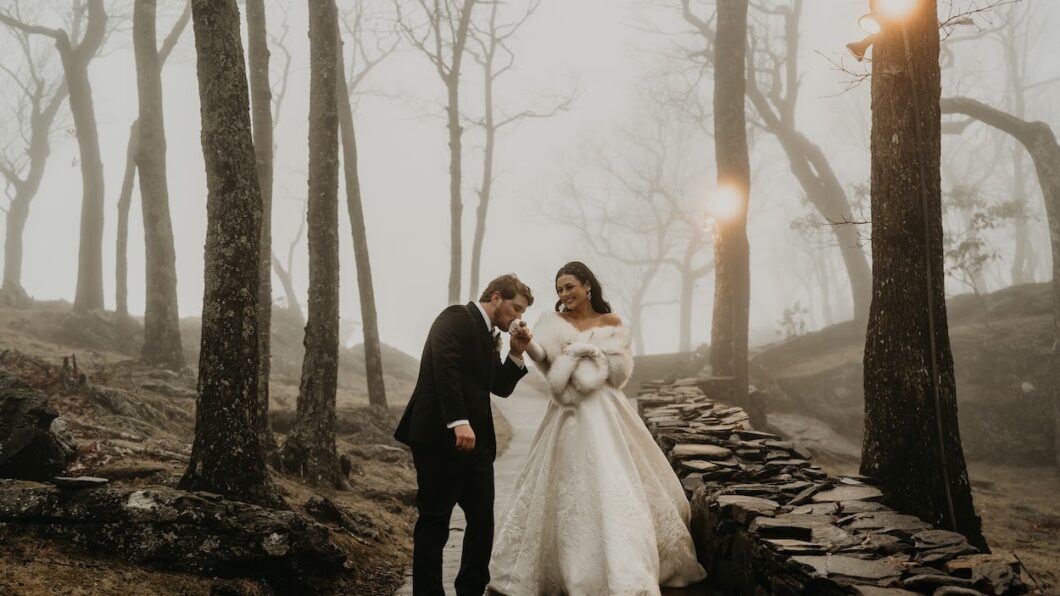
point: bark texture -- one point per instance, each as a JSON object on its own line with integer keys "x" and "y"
{"x": 121, "y": 261}
{"x": 261, "y": 116}
{"x": 89, "y": 293}
{"x": 373, "y": 353}
{"x": 1040, "y": 142}
{"x": 227, "y": 456}
{"x": 912, "y": 443}
{"x": 732, "y": 287}
{"x": 161, "y": 320}
{"x": 310, "y": 447}
{"x": 451, "y": 78}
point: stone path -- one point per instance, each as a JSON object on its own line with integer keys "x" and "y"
{"x": 524, "y": 410}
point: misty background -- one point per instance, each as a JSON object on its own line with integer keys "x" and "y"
{"x": 615, "y": 59}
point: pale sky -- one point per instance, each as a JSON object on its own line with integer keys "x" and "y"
{"x": 609, "y": 48}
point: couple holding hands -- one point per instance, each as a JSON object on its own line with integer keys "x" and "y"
{"x": 597, "y": 508}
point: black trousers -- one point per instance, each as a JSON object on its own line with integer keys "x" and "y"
{"x": 445, "y": 480}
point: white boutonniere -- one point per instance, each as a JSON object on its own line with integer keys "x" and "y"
{"x": 497, "y": 340}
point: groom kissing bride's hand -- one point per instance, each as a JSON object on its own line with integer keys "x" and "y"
{"x": 448, "y": 424}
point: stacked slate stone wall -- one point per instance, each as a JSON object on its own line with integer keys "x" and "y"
{"x": 766, "y": 520}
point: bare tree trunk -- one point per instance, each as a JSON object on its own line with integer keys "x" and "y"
{"x": 42, "y": 115}
{"x": 121, "y": 250}
{"x": 1040, "y": 142}
{"x": 820, "y": 265}
{"x": 227, "y": 457}
{"x": 89, "y": 294}
{"x": 912, "y": 441}
{"x": 373, "y": 352}
{"x": 121, "y": 260}
{"x": 485, "y": 192}
{"x": 161, "y": 320}
{"x": 288, "y": 290}
{"x": 731, "y": 252}
{"x": 261, "y": 116}
{"x": 310, "y": 447}
{"x": 688, "y": 283}
{"x": 452, "y": 111}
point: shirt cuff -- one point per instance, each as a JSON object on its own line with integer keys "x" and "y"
{"x": 457, "y": 423}
{"x": 518, "y": 360}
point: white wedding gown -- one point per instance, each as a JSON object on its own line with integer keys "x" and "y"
{"x": 597, "y": 508}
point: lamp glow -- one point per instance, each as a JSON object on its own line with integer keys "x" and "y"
{"x": 895, "y": 10}
{"x": 727, "y": 204}
{"x": 869, "y": 24}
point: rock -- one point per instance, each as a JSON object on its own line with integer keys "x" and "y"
{"x": 743, "y": 509}
{"x": 848, "y": 493}
{"x": 956, "y": 591}
{"x": 879, "y": 572}
{"x": 710, "y": 452}
{"x": 34, "y": 442}
{"x": 79, "y": 482}
{"x": 877, "y": 591}
{"x": 698, "y": 465}
{"x": 997, "y": 579}
{"x": 883, "y": 522}
{"x": 325, "y": 510}
{"x": 175, "y": 530}
{"x": 842, "y": 507}
{"x": 928, "y": 583}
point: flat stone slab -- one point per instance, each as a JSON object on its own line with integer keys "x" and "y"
{"x": 878, "y": 591}
{"x": 848, "y": 493}
{"x": 699, "y": 465}
{"x": 79, "y": 481}
{"x": 884, "y": 522}
{"x": 862, "y": 569}
{"x": 745, "y": 508}
{"x": 691, "y": 451}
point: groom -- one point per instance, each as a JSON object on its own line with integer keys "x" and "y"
{"x": 449, "y": 426}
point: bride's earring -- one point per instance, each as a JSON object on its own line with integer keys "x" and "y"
{"x": 589, "y": 295}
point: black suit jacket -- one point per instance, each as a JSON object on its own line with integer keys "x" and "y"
{"x": 458, "y": 371}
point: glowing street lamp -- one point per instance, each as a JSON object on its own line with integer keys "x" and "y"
{"x": 894, "y": 10}
{"x": 881, "y": 12}
{"x": 726, "y": 204}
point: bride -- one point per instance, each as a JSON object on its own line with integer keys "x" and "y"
{"x": 597, "y": 508}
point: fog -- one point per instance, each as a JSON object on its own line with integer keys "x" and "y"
{"x": 610, "y": 54}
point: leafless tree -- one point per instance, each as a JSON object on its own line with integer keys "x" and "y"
{"x": 732, "y": 276}
{"x": 76, "y": 55}
{"x": 439, "y": 30}
{"x": 227, "y": 456}
{"x": 161, "y": 319}
{"x": 773, "y": 86}
{"x": 261, "y": 118}
{"x": 364, "y": 61}
{"x": 40, "y": 96}
{"x": 491, "y": 48}
{"x": 912, "y": 442}
{"x": 632, "y": 205}
{"x": 1039, "y": 140}
{"x": 121, "y": 285}
{"x": 310, "y": 446}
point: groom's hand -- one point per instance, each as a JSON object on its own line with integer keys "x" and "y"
{"x": 465, "y": 437}
{"x": 520, "y": 339}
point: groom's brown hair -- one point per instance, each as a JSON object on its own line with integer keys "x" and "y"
{"x": 508, "y": 285}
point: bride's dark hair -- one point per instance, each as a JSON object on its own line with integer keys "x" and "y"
{"x": 583, "y": 274}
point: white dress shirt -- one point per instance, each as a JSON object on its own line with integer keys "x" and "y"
{"x": 516, "y": 359}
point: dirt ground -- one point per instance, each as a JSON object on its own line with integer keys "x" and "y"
{"x": 134, "y": 424}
